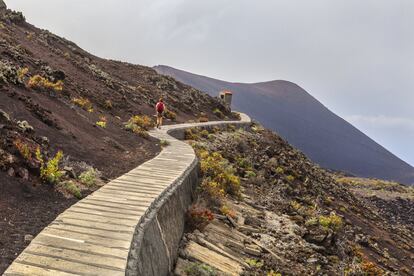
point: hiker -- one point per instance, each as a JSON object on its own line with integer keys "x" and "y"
{"x": 159, "y": 108}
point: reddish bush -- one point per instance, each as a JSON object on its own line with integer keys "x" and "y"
{"x": 199, "y": 217}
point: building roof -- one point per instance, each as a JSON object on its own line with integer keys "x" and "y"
{"x": 226, "y": 92}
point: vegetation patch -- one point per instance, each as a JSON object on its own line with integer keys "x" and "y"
{"x": 219, "y": 178}
{"x": 218, "y": 113}
{"x": 255, "y": 263}
{"x": 23, "y": 149}
{"x": 71, "y": 188}
{"x": 197, "y": 269}
{"x": 236, "y": 115}
{"x": 332, "y": 221}
{"x": 108, "y": 104}
{"x": 89, "y": 177}
{"x": 198, "y": 216}
{"x": 21, "y": 74}
{"x": 227, "y": 211}
{"x": 49, "y": 170}
{"x": 170, "y": 115}
{"x": 140, "y": 125}
{"x": 38, "y": 82}
{"x": 250, "y": 174}
{"x": 83, "y": 103}
{"x": 102, "y": 122}
{"x": 192, "y": 133}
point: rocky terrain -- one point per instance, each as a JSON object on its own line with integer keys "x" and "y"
{"x": 263, "y": 208}
{"x": 69, "y": 121}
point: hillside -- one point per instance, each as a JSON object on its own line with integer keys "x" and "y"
{"x": 298, "y": 117}
{"x": 263, "y": 208}
{"x": 55, "y": 97}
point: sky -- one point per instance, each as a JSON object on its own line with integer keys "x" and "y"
{"x": 356, "y": 57}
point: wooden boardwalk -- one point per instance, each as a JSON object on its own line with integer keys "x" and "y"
{"x": 93, "y": 237}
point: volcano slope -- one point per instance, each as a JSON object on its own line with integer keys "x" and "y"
{"x": 307, "y": 124}
{"x": 263, "y": 208}
{"x": 54, "y": 97}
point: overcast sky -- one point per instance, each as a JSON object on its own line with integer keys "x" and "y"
{"x": 356, "y": 57}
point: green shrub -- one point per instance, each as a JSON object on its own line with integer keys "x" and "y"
{"x": 142, "y": 122}
{"x": 71, "y": 188}
{"x": 38, "y": 82}
{"x": 290, "y": 178}
{"x": 140, "y": 125}
{"x": 250, "y": 174}
{"x": 257, "y": 128}
{"x": 197, "y": 269}
{"x": 191, "y": 133}
{"x": 280, "y": 170}
{"x": 227, "y": 211}
{"x": 243, "y": 163}
{"x": 219, "y": 175}
{"x": 170, "y": 115}
{"x": 231, "y": 128}
{"x": 49, "y": 171}
{"x": 295, "y": 205}
{"x": 273, "y": 273}
{"x": 198, "y": 217}
{"x": 89, "y": 177}
{"x": 254, "y": 263}
{"x": 204, "y": 133}
{"x": 332, "y": 221}
{"x": 21, "y": 74}
{"x": 236, "y": 115}
{"x": 102, "y": 122}
{"x": 23, "y": 149}
{"x": 83, "y": 103}
{"x": 312, "y": 221}
{"x": 218, "y": 113}
{"x": 216, "y": 129}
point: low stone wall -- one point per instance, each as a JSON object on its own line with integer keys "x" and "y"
{"x": 155, "y": 244}
{"x": 154, "y": 249}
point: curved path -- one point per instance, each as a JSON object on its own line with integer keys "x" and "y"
{"x": 96, "y": 235}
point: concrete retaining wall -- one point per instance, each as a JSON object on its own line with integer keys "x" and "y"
{"x": 154, "y": 249}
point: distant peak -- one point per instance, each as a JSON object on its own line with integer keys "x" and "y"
{"x": 168, "y": 69}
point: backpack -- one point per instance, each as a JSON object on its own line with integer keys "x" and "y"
{"x": 160, "y": 107}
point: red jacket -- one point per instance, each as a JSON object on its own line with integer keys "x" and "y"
{"x": 160, "y": 107}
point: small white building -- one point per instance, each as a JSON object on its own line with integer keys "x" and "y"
{"x": 226, "y": 97}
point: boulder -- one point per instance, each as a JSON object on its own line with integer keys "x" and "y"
{"x": 25, "y": 126}
{"x": 28, "y": 238}
{"x": 11, "y": 172}
{"x": 4, "y": 117}
{"x": 70, "y": 172}
{"x": 23, "y": 173}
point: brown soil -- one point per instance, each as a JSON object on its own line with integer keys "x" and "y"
{"x": 25, "y": 210}
{"x": 116, "y": 90}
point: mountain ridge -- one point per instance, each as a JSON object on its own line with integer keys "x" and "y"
{"x": 300, "y": 118}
